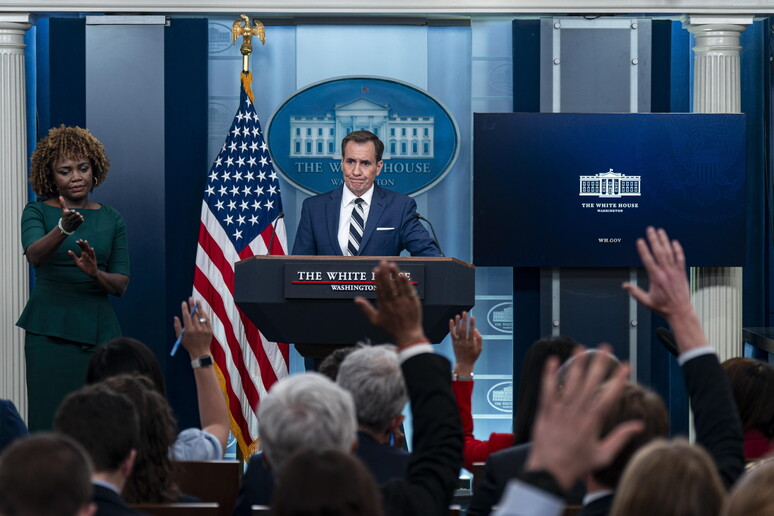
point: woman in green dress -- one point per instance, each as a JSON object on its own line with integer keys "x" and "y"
{"x": 79, "y": 252}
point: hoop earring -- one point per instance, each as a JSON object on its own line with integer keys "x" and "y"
{"x": 96, "y": 181}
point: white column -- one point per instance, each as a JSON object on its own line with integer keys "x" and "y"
{"x": 717, "y": 291}
{"x": 14, "y": 273}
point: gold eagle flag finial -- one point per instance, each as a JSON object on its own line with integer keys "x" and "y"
{"x": 242, "y": 28}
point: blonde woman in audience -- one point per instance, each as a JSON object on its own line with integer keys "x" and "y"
{"x": 753, "y": 495}
{"x": 671, "y": 478}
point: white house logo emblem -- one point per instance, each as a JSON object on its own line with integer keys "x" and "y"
{"x": 500, "y": 396}
{"x": 500, "y": 317}
{"x": 610, "y": 185}
{"x": 421, "y": 138}
{"x": 404, "y": 136}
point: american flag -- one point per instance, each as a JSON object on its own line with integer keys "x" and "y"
{"x": 240, "y": 206}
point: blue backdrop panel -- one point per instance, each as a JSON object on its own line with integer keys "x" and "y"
{"x": 565, "y": 205}
{"x": 67, "y": 74}
{"x": 185, "y": 174}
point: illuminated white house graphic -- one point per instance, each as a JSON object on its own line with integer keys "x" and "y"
{"x": 503, "y": 316}
{"x": 503, "y": 395}
{"x": 320, "y": 136}
{"x": 609, "y": 184}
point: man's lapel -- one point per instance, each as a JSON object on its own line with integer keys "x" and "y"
{"x": 378, "y": 204}
{"x": 333, "y": 208}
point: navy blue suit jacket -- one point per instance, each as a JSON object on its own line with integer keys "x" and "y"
{"x": 390, "y": 228}
{"x": 11, "y": 425}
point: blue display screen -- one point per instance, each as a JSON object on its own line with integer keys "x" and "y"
{"x": 579, "y": 189}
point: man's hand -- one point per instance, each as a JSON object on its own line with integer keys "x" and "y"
{"x": 670, "y": 293}
{"x": 399, "y": 310}
{"x": 664, "y": 260}
{"x": 567, "y": 426}
{"x": 466, "y": 342}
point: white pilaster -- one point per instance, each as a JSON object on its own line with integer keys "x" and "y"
{"x": 14, "y": 273}
{"x": 717, "y": 291}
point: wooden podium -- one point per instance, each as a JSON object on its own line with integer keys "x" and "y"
{"x": 309, "y": 299}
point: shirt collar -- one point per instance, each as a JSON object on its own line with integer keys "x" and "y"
{"x": 347, "y": 197}
{"x": 596, "y": 495}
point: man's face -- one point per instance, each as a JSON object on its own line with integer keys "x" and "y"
{"x": 359, "y": 166}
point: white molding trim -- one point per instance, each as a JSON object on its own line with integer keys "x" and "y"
{"x": 394, "y": 7}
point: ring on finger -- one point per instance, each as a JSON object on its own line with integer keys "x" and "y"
{"x": 202, "y": 320}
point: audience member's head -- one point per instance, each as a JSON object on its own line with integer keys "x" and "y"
{"x": 152, "y": 480}
{"x": 325, "y": 482}
{"x": 330, "y": 364}
{"x": 105, "y": 423}
{"x": 752, "y": 382}
{"x": 753, "y": 494}
{"x": 585, "y": 359}
{"x": 305, "y": 411}
{"x": 529, "y": 385}
{"x": 669, "y": 477}
{"x": 124, "y": 355}
{"x": 45, "y": 475}
{"x": 374, "y": 378}
{"x": 635, "y": 403}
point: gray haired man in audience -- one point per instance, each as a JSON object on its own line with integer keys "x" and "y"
{"x": 373, "y": 376}
{"x": 305, "y": 411}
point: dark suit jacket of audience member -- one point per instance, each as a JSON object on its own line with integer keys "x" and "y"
{"x": 436, "y": 457}
{"x": 384, "y": 461}
{"x": 716, "y": 419}
{"x": 110, "y": 503}
{"x": 11, "y": 425}
{"x": 501, "y": 467}
{"x": 599, "y": 507}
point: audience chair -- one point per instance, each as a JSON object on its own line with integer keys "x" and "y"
{"x": 211, "y": 481}
{"x": 178, "y": 509}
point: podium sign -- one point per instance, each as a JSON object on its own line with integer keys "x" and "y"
{"x": 325, "y": 280}
{"x": 309, "y": 299}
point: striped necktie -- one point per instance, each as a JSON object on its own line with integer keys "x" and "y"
{"x": 356, "y": 227}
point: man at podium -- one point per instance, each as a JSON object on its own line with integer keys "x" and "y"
{"x": 360, "y": 218}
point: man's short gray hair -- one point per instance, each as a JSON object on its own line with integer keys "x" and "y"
{"x": 305, "y": 411}
{"x": 374, "y": 378}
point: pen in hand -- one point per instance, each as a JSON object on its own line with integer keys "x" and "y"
{"x": 180, "y": 337}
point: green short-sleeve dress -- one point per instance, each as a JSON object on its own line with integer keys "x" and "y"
{"x": 67, "y": 314}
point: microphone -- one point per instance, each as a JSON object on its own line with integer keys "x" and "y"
{"x": 667, "y": 339}
{"x": 274, "y": 231}
{"x": 435, "y": 237}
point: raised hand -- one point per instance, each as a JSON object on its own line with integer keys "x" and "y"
{"x": 466, "y": 342}
{"x": 399, "y": 311}
{"x": 567, "y": 426}
{"x": 664, "y": 260}
{"x": 669, "y": 293}
{"x": 198, "y": 330}
{"x": 87, "y": 261}
{"x": 71, "y": 219}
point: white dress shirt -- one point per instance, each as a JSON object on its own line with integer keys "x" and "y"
{"x": 345, "y": 214}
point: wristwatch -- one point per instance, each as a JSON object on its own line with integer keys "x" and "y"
{"x": 203, "y": 361}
